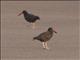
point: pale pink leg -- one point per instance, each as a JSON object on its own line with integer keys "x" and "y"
{"x": 46, "y": 45}
{"x": 43, "y": 43}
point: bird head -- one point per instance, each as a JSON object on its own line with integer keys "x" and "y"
{"x": 51, "y": 30}
{"x": 23, "y": 12}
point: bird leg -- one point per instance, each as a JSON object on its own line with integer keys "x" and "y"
{"x": 33, "y": 25}
{"x": 43, "y": 43}
{"x": 46, "y": 45}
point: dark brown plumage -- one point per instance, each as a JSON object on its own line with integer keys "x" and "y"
{"x": 30, "y": 17}
{"x": 45, "y": 36}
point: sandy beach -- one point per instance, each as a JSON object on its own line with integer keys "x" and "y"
{"x": 17, "y": 34}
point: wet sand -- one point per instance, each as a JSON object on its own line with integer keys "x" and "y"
{"x": 17, "y": 34}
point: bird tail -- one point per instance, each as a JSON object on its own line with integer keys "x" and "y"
{"x": 34, "y": 38}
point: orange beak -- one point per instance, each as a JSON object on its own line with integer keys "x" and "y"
{"x": 55, "y": 31}
{"x": 19, "y": 14}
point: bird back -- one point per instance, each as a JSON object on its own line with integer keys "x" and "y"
{"x": 44, "y": 36}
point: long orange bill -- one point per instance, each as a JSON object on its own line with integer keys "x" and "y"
{"x": 19, "y": 14}
{"x": 55, "y": 31}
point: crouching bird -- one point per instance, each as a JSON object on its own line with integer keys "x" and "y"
{"x": 30, "y": 17}
{"x": 45, "y": 37}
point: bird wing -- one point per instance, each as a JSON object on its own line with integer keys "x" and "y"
{"x": 44, "y": 36}
{"x": 31, "y": 15}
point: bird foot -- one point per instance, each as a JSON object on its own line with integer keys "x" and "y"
{"x": 47, "y": 48}
{"x": 44, "y": 48}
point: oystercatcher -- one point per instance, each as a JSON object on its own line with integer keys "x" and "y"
{"x": 30, "y": 17}
{"x": 45, "y": 37}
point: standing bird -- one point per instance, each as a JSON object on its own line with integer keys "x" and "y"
{"x": 45, "y": 37}
{"x": 30, "y": 17}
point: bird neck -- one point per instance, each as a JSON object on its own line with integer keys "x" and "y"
{"x": 51, "y": 32}
{"x": 25, "y": 15}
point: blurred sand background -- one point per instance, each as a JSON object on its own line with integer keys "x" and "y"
{"x": 17, "y": 35}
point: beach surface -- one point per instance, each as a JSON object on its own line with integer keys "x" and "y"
{"x": 17, "y": 34}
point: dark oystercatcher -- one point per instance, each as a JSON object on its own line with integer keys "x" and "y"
{"x": 30, "y": 17}
{"x": 45, "y": 37}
